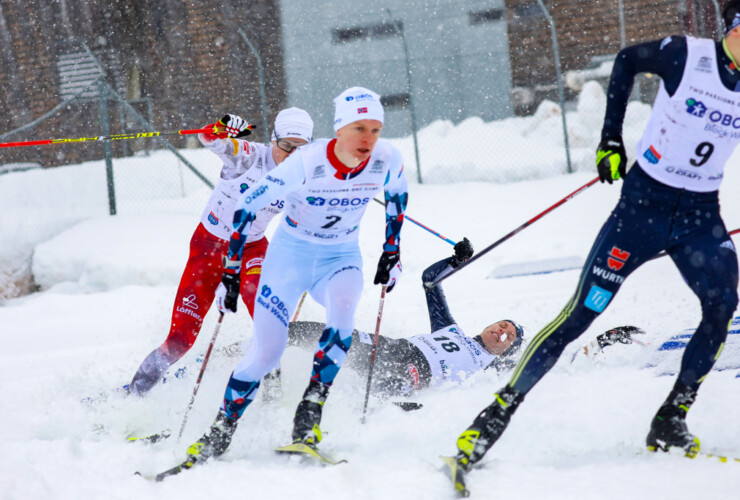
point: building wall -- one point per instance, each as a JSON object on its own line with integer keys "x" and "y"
{"x": 187, "y": 57}
{"x": 458, "y": 53}
{"x": 589, "y": 29}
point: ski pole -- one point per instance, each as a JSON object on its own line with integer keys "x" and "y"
{"x": 298, "y": 309}
{"x": 200, "y": 375}
{"x": 435, "y": 233}
{"x": 115, "y": 137}
{"x": 439, "y": 279}
{"x": 372, "y": 356}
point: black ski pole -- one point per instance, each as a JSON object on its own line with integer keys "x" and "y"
{"x": 372, "y": 356}
{"x": 200, "y": 375}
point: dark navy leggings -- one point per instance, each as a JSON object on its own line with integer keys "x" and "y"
{"x": 649, "y": 218}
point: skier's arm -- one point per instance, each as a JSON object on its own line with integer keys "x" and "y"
{"x": 396, "y": 200}
{"x": 665, "y": 58}
{"x": 439, "y": 311}
{"x": 287, "y": 176}
{"x": 228, "y": 149}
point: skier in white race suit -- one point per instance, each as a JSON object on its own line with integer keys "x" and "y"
{"x": 327, "y": 186}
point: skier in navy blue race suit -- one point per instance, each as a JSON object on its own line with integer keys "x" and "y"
{"x": 669, "y": 201}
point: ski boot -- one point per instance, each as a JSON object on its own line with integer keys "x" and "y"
{"x": 487, "y": 427}
{"x": 308, "y": 414}
{"x": 215, "y": 441}
{"x": 668, "y": 427}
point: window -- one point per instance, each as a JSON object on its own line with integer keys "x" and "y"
{"x": 395, "y": 101}
{"x": 384, "y": 30}
{"x": 485, "y": 16}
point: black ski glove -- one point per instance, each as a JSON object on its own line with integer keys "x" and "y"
{"x": 385, "y": 264}
{"x": 611, "y": 159}
{"x": 236, "y": 126}
{"x": 227, "y": 293}
{"x": 618, "y": 335}
{"x": 463, "y": 251}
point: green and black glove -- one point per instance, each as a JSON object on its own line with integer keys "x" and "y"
{"x": 611, "y": 159}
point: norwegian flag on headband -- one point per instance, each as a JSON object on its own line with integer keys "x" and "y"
{"x": 361, "y": 110}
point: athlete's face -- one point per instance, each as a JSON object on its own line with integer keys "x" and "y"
{"x": 498, "y": 337}
{"x": 282, "y": 148}
{"x": 355, "y": 142}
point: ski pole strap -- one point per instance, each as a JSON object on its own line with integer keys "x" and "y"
{"x": 439, "y": 279}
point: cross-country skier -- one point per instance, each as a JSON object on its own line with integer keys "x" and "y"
{"x": 244, "y": 164}
{"x": 447, "y": 354}
{"x": 669, "y": 202}
{"x": 327, "y": 186}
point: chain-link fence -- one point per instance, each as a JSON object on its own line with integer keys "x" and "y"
{"x": 482, "y": 101}
{"x": 475, "y": 91}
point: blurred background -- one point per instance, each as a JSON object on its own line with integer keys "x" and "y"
{"x": 474, "y": 90}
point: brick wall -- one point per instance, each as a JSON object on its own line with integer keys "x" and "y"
{"x": 186, "y": 56}
{"x": 588, "y": 28}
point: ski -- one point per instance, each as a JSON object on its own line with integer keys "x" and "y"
{"x": 152, "y": 438}
{"x": 457, "y": 474}
{"x": 694, "y": 454}
{"x": 308, "y": 451}
{"x": 169, "y": 472}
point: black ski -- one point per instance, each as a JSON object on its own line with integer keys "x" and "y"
{"x": 169, "y": 472}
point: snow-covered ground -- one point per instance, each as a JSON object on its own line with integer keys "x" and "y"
{"x": 108, "y": 287}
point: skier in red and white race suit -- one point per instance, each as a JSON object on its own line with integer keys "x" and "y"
{"x": 244, "y": 164}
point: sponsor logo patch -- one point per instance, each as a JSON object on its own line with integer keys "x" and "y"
{"x": 695, "y": 108}
{"x": 598, "y": 298}
{"x": 652, "y": 155}
{"x": 189, "y": 301}
{"x": 415, "y": 379}
{"x": 617, "y": 258}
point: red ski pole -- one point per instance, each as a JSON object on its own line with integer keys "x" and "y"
{"x": 431, "y": 284}
{"x": 115, "y": 137}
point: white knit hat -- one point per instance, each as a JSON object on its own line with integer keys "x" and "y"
{"x": 293, "y": 123}
{"x": 357, "y": 103}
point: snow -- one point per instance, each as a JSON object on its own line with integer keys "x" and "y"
{"x": 106, "y": 298}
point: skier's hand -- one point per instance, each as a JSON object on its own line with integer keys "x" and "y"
{"x": 227, "y": 293}
{"x": 611, "y": 159}
{"x": 389, "y": 270}
{"x": 463, "y": 251}
{"x": 235, "y": 126}
{"x": 618, "y": 335}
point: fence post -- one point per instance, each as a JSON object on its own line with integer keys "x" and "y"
{"x": 718, "y": 14}
{"x": 261, "y": 75}
{"x": 412, "y": 109}
{"x": 622, "y": 35}
{"x": 561, "y": 96}
{"x": 105, "y": 127}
